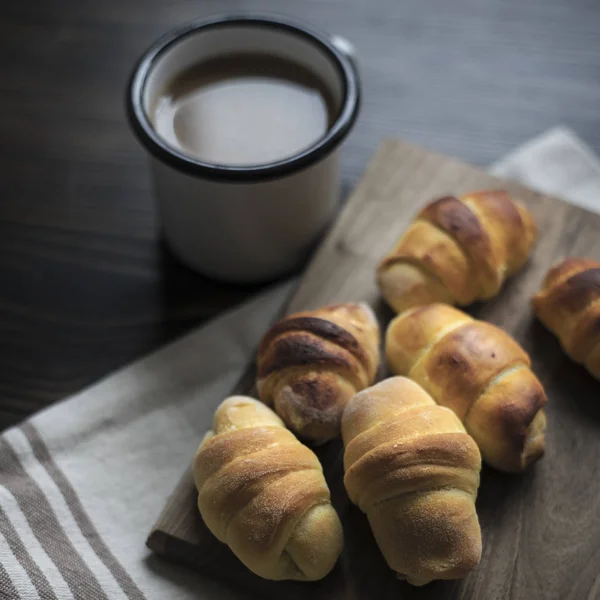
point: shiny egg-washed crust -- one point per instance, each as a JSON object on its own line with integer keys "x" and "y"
{"x": 478, "y": 371}
{"x": 311, "y": 363}
{"x": 412, "y": 468}
{"x": 263, "y": 493}
{"x": 569, "y": 305}
{"x": 457, "y": 251}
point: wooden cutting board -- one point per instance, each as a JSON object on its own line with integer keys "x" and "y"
{"x": 541, "y": 529}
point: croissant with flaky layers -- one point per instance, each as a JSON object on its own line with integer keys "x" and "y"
{"x": 263, "y": 493}
{"x": 412, "y": 468}
{"x": 569, "y": 305}
{"x": 457, "y": 251}
{"x": 311, "y": 363}
{"x": 478, "y": 371}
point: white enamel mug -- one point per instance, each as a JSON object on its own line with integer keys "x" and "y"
{"x": 245, "y": 223}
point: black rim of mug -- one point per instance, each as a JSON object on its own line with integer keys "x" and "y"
{"x": 160, "y": 149}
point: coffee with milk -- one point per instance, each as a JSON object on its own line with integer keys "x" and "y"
{"x": 243, "y": 110}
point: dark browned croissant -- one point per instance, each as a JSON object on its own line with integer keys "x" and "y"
{"x": 412, "y": 468}
{"x": 311, "y": 363}
{"x": 478, "y": 371}
{"x": 457, "y": 250}
{"x": 569, "y": 305}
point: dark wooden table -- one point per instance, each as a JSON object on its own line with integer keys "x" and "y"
{"x": 85, "y": 284}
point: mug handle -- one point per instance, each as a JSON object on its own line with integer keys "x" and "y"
{"x": 345, "y": 47}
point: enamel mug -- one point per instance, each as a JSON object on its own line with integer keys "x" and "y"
{"x": 245, "y": 223}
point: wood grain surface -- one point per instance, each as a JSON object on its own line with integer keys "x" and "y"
{"x": 541, "y": 531}
{"x": 85, "y": 284}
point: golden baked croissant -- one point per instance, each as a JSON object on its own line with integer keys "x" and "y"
{"x": 412, "y": 468}
{"x": 478, "y": 371}
{"x": 457, "y": 250}
{"x": 569, "y": 305}
{"x": 311, "y": 363}
{"x": 262, "y": 492}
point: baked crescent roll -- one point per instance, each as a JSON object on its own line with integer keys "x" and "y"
{"x": 478, "y": 371}
{"x": 412, "y": 468}
{"x": 311, "y": 363}
{"x": 262, "y": 492}
{"x": 569, "y": 305}
{"x": 457, "y": 250}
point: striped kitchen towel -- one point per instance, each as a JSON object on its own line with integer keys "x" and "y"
{"x": 55, "y": 549}
{"x": 82, "y": 482}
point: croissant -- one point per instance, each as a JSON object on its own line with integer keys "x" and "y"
{"x": 479, "y": 372}
{"x": 569, "y": 305}
{"x": 412, "y": 468}
{"x": 457, "y": 250}
{"x": 311, "y": 363}
{"x": 262, "y": 492}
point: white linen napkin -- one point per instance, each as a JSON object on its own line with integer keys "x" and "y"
{"x": 558, "y": 163}
{"x": 82, "y": 482}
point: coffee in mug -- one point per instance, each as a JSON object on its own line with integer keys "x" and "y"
{"x": 243, "y": 109}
